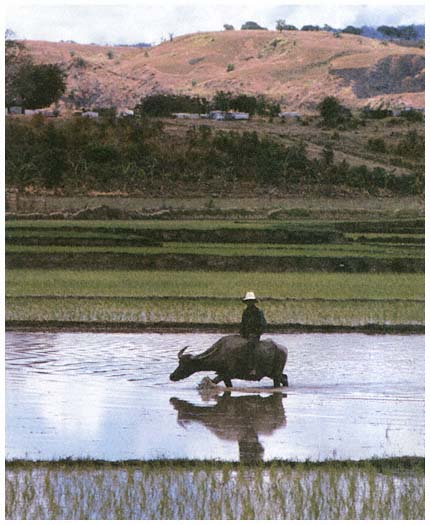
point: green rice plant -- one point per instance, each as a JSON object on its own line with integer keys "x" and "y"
{"x": 208, "y": 311}
{"x": 196, "y": 491}
{"x": 149, "y": 283}
{"x": 235, "y": 249}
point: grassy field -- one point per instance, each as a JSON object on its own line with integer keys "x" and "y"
{"x": 377, "y": 490}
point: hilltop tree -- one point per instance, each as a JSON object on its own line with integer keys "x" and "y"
{"x": 252, "y": 25}
{"x": 352, "y": 30}
{"x": 388, "y": 31}
{"x": 228, "y": 27}
{"x": 280, "y": 25}
{"x": 310, "y": 28}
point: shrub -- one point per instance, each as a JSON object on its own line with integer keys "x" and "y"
{"x": 412, "y": 145}
{"x": 412, "y": 115}
{"x": 333, "y": 113}
{"x": 378, "y": 113}
{"x": 230, "y": 67}
{"x": 377, "y": 145}
{"x": 79, "y": 62}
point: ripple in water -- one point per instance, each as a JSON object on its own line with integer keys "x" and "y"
{"x": 109, "y": 396}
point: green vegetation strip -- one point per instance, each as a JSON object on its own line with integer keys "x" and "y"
{"x": 413, "y": 225}
{"x": 90, "y": 489}
{"x": 152, "y": 300}
{"x": 300, "y": 285}
{"x": 232, "y": 249}
{"x": 206, "y": 311}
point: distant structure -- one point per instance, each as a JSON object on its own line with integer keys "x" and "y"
{"x": 228, "y": 115}
{"x": 238, "y": 115}
{"x": 90, "y": 114}
{"x": 125, "y": 113}
{"x": 217, "y": 115}
{"x": 15, "y": 110}
{"x": 44, "y": 112}
{"x": 186, "y": 115}
{"x": 289, "y": 114}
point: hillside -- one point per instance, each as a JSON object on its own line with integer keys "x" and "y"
{"x": 298, "y": 68}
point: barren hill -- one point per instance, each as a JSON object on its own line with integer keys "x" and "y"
{"x": 297, "y": 68}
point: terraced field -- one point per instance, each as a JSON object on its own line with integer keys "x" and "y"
{"x": 191, "y": 274}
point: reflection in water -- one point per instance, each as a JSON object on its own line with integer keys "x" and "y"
{"x": 108, "y": 396}
{"x": 241, "y": 419}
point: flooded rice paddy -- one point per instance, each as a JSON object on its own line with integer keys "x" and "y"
{"x": 108, "y": 396}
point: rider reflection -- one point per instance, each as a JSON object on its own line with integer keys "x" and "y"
{"x": 240, "y": 418}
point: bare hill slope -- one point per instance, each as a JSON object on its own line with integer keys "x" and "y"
{"x": 296, "y": 67}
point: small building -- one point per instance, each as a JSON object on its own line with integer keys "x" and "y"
{"x": 126, "y": 113}
{"x": 289, "y": 114}
{"x": 186, "y": 115}
{"x": 217, "y": 115}
{"x": 90, "y": 114}
{"x": 238, "y": 115}
{"x": 44, "y": 112}
{"x": 15, "y": 110}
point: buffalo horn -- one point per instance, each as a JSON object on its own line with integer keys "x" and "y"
{"x": 182, "y": 351}
{"x": 206, "y": 354}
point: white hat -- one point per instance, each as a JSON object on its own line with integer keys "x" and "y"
{"x": 250, "y": 296}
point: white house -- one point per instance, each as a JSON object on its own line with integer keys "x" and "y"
{"x": 239, "y": 115}
{"x": 217, "y": 115}
{"x": 186, "y": 115}
{"x": 90, "y": 114}
{"x": 289, "y": 114}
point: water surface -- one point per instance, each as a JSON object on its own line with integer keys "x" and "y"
{"x": 108, "y": 396}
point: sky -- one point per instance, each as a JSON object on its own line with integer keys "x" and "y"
{"x": 151, "y": 21}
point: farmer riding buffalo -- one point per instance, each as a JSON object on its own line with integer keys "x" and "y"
{"x": 241, "y": 356}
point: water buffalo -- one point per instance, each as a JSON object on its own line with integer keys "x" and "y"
{"x": 228, "y": 358}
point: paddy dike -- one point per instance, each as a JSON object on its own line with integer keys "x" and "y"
{"x": 180, "y": 327}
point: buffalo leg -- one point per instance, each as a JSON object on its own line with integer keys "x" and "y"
{"x": 276, "y": 382}
{"x": 218, "y": 378}
{"x": 284, "y": 380}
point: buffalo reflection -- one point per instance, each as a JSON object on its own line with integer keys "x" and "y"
{"x": 241, "y": 418}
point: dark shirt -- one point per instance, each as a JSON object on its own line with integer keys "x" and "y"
{"x": 253, "y": 322}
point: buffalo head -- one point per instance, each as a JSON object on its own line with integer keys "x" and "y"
{"x": 185, "y": 368}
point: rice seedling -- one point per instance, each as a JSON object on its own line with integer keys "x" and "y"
{"x": 209, "y": 311}
{"x": 136, "y": 283}
{"x": 236, "y": 249}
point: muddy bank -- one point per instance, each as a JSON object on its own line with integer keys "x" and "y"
{"x": 122, "y": 261}
{"x": 169, "y": 327}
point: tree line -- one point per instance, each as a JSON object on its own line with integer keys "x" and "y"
{"x": 164, "y": 104}
{"x": 408, "y": 32}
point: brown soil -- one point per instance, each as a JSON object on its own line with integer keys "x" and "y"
{"x": 297, "y": 67}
